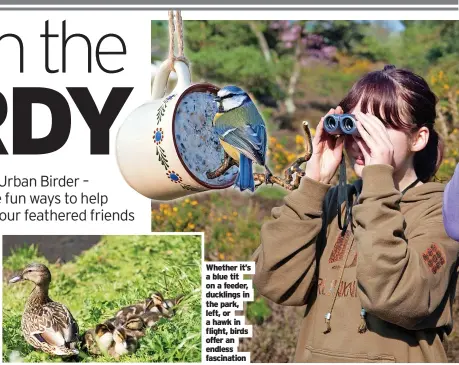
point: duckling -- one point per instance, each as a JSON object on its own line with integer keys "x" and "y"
{"x": 89, "y": 342}
{"x": 151, "y": 318}
{"x": 134, "y": 327}
{"x": 160, "y": 305}
{"x": 156, "y": 298}
{"x": 98, "y": 340}
{"x": 123, "y": 344}
{"x": 46, "y": 325}
{"x": 165, "y": 310}
{"x": 104, "y": 332}
{"x": 168, "y": 306}
{"x": 124, "y": 314}
{"x": 110, "y": 324}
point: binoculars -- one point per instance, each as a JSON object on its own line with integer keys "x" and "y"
{"x": 341, "y": 124}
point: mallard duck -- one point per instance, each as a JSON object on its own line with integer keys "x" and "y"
{"x": 46, "y": 325}
{"x": 123, "y": 344}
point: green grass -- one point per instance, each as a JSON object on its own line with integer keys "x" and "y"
{"x": 118, "y": 271}
{"x": 271, "y": 192}
{"x": 258, "y": 311}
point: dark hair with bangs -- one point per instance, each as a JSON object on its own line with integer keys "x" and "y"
{"x": 403, "y": 101}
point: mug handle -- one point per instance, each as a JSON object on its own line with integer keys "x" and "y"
{"x": 160, "y": 81}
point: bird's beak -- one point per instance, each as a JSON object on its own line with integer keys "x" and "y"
{"x": 217, "y": 99}
{"x": 16, "y": 279}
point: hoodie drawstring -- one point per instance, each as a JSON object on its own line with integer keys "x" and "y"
{"x": 363, "y": 323}
{"x": 335, "y": 295}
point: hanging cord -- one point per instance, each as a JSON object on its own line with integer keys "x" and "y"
{"x": 342, "y": 195}
{"x": 412, "y": 185}
{"x": 363, "y": 323}
{"x": 335, "y": 295}
{"x": 176, "y": 27}
{"x": 171, "y": 38}
{"x": 345, "y": 196}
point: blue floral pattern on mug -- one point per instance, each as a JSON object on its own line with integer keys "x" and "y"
{"x": 162, "y": 108}
{"x": 158, "y": 136}
{"x": 174, "y": 177}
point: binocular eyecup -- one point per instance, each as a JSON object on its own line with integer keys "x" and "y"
{"x": 341, "y": 124}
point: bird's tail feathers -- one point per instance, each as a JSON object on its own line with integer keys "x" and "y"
{"x": 245, "y": 177}
{"x": 260, "y": 132}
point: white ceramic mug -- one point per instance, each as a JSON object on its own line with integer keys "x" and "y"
{"x": 165, "y": 146}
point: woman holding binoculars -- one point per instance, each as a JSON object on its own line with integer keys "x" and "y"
{"x": 380, "y": 287}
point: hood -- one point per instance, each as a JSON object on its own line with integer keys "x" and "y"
{"x": 429, "y": 190}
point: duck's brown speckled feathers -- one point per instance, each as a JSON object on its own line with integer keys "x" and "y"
{"x": 47, "y": 325}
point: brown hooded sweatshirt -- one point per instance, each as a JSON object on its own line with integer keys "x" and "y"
{"x": 396, "y": 262}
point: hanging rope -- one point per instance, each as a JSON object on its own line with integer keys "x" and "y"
{"x": 176, "y": 27}
{"x": 171, "y": 38}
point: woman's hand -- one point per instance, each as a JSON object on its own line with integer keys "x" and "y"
{"x": 327, "y": 152}
{"x": 378, "y": 148}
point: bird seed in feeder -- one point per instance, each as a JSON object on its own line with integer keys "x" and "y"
{"x": 196, "y": 140}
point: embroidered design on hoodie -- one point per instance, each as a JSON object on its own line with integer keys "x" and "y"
{"x": 345, "y": 289}
{"x": 434, "y": 258}
{"x": 339, "y": 250}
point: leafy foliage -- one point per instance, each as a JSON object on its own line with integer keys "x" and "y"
{"x": 258, "y": 310}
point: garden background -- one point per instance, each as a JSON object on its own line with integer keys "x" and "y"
{"x": 295, "y": 71}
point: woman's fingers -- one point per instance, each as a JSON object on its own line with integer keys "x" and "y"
{"x": 363, "y": 148}
{"x": 319, "y": 130}
{"x": 380, "y": 134}
{"x": 339, "y": 110}
{"x": 320, "y": 134}
{"x": 364, "y": 133}
{"x": 339, "y": 146}
{"x": 331, "y": 111}
{"x": 379, "y": 137}
{"x": 380, "y": 126}
{"x": 378, "y": 141}
{"x": 377, "y": 125}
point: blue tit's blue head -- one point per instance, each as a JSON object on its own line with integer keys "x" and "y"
{"x": 231, "y": 97}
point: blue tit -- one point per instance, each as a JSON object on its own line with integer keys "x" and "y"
{"x": 242, "y": 133}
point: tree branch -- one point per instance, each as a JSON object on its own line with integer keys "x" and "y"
{"x": 227, "y": 163}
{"x": 292, "y": 175}
{"x": 264, "y": 48}
{"x": 294, "y": 77}
{"x": 261, "y": 40}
